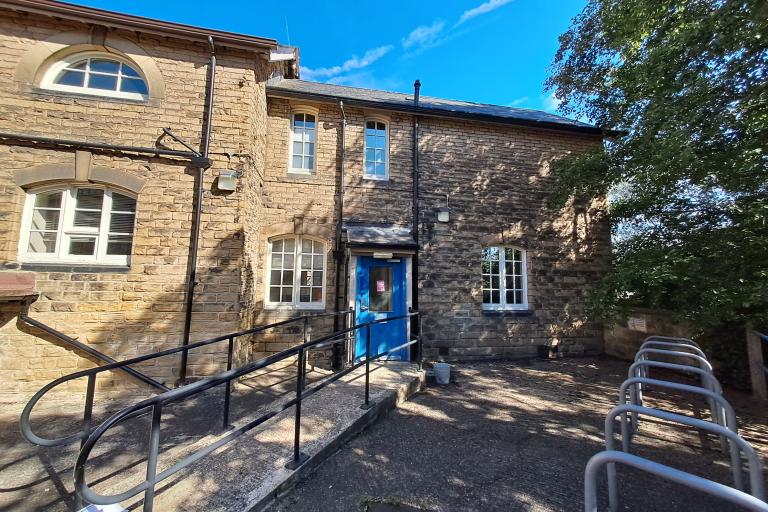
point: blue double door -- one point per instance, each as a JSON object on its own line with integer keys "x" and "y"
{"x": 381, "y": 293}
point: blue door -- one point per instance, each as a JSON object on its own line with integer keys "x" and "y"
{"x": 381, "y": 294}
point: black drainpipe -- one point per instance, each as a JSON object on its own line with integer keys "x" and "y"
{"x": 198, "y": 206}
{"x": 415, "y": 285}
{"x": 339, "y": 257}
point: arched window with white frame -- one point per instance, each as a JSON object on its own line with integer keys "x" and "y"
{"x": 74, "y": 224}
{"x": 97, "y": 74}
{"x": 504, "y": 279}
{"x": 376, "y": 151}
{"x": 296, "y": 273}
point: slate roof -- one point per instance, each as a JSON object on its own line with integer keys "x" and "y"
{"x": 355, "y": 96}
{"x": 378, "y": 235}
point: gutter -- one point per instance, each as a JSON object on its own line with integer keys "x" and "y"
{"x": 138, "y": 23}
{"x": 415, "y": 180}
{"x": 439, "y": 113}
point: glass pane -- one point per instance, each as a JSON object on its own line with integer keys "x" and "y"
{"x": 121, "y": 223}
{"x": 277, "y": 246}
{"x": 486, "y": 297}
{"x": 119, "y": 245}
{"x": 296, "y": 162}
{"x": 297, "y": 147}
{"x": 511, "y": 254}
{"x": 495, "y": 297}
{"x": 370, "y": 125}
{"x": 298, "y": 120}
{"x": 277, "y": 261}
{"x": 317, "y": 278}
{"x": 380, "y": 289}
{"x": 494, "y": 267}
{"x": 518, "y": 297}
{"x": 288, "y": 278}
{"x": 105, "y": 66}
{"x": 306, "y": 262}
{"x": 495, "y": 282}
{"x": 105, "y": 82}
{"x": 309, "y": 162}
{"x": 309, "y": 148}
{"x": 289, "y": 245}
{"x": 510, "y": 297}
{"x": 82, "y": 246}
{"x": 274, "y": 277}
{"x": 310, "y": 120}
{"x": 486, "y": 281}
{"x": 309, "y": 135}
{"x": 306, "y": 278}
{"x": 129, "y": 71}
{"x": 45, "y": 220}
{"x": 304, "y": 294}
{"x": 274, "y": 294}
{"x": 288, "y": 261}
{"x": 317, "y": 261}
{"x": 121, "y": 203}
{"x": 286, "y": 294}
{"x": 87, "y": 219}
{"x": 370, "y": 168}
{"x": 134, "y": 85}
{"x": 73, "y": 78}
{"x": 519, "y": 282}
{"x": 89, "y": 198}
{"x": 42, "y": 243}
{"x": 317, "y": 294}
{"x": 78, "y": 65}
{"x": 518, "y": 268}
{"x": 370, "y": 154}
{"x": 48, "y": 200}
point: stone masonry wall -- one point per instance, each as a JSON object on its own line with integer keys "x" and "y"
{"x": 138, "y": 309}
{"x": 497, "y": 186}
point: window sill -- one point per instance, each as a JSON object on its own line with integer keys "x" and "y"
{"x": 287, "y": 307}
{"x": 79, "y": 268}
{"x": 511, "y": 313}
{"x": 298, "y": 173}
{"x": 376, "y": 178}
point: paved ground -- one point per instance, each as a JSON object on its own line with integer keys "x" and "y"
{"x": 511, "y": 436}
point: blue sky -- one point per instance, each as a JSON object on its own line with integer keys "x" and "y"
{"x": 492, "y": 51}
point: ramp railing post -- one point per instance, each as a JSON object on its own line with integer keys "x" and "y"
{"x": 367, "y": 404}
{"x": 298, "y": 457}
{"x": 154, "y": 446}
{"x": 228, "y": 385}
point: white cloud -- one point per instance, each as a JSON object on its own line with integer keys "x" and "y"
{"x": 423, "y": 35}
{"x": 350, "y": 64}
{"x": 551, "y": 103}
{"x": 484, "y": 8}
{"x": 519, "y": 101}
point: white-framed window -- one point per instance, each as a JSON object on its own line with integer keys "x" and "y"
{"x": 96, "y": 75}
{"x": 77, "y": 225}
{"x": 303, "y": 142}
{"x": 296, "y": 273}
{"x": 504, "y": 278}
{"x": 376, "y": 151}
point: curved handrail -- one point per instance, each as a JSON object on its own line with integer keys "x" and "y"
{"x": 157, "y": 402}
{"x": 597, "y": 461}
{"x": 24, "y": 421}
{"x": 671, "y": 344}
{"x": 672, "y": 338}
{"x": 753, "y": 459}
{"x": 703, "y": 363}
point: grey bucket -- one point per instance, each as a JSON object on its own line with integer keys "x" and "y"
{"x": 442, "y": 373}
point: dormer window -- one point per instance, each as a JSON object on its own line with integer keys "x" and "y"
{"x": 97, "y": 75}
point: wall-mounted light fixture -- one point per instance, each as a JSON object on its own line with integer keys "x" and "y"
{"x": 444, "y": 213}
{"x": 228, "y": 179}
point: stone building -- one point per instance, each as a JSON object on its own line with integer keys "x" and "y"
{"x": 115, "y": 131}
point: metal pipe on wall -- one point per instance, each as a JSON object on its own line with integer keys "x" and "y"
{"x": 338, "y": 256}
{"x": 198, "y": 207}
{"x": 415, "y": 156}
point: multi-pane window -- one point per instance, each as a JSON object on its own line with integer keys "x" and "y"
{"x": 503, "y": 278}
{"x": 303, "y": 138}
{"x": 376, "y": 150}
{"x": 97, "y": 76}
{"x": 296, "y": 272}
{"x": 79, "y": 225}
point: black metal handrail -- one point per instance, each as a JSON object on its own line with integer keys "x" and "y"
{"x": 92, "y": 373}
{"x": 157, "y": 403}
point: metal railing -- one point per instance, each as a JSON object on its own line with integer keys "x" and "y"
{"x": 92, "y": 374}
{"x": 698, "y": 483}
{"x": 158, "y": 402}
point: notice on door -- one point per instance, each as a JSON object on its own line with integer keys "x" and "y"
{"x": 381, "y": 286}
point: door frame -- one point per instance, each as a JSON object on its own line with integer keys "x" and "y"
{"x": 352, "y": 296}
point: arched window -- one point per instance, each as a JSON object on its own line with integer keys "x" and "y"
{"x": 303, "y": 141}
{"x": 296, "y": 273}
{"x": 505, "y": 285}
{"x": 77, "y": 225}
{"x": 376, "y": 150}
{"x": 97, "y": 75}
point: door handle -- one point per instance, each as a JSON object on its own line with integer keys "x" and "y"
{"x": 363, "y": 307}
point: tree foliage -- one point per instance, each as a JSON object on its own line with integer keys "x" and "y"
{"x": 686, "y": 81}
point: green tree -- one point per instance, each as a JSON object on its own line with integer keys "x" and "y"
{"x": 686, "y": 83}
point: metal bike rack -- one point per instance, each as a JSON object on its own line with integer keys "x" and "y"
{"x": 645, "y": 354}
{"x": 611, "y": 458}
{"x": 669, "y": 345}
{"x": 673, "y": 339}
{"x": 708, "y": 380}
{"x": 723, "y": 415}
{"x": 753, "y": 459}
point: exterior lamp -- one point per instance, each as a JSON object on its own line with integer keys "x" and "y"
{"x": 228, "y": 180}
{"x": 444, "y": 213}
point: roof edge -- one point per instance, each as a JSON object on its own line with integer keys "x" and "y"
{"x": 142, "y": 24}
{"x": 431, "y": 112}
